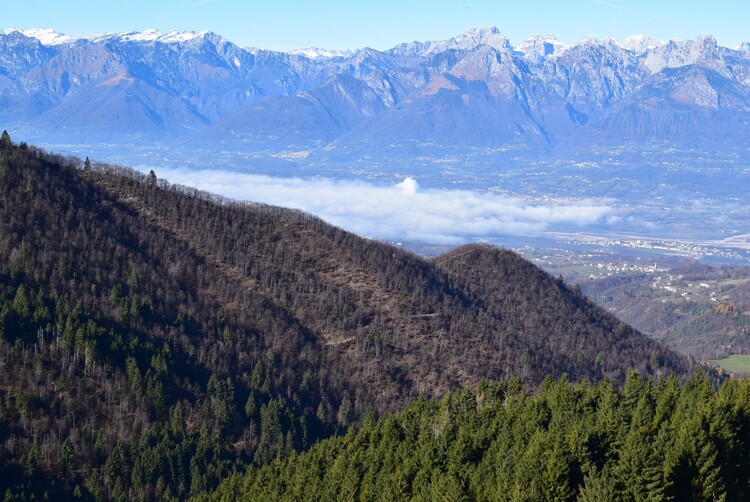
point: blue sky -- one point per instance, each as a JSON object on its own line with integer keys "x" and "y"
{"x": 352, "y": 24}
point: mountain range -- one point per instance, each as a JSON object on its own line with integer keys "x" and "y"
{"x": 475, "y": 90}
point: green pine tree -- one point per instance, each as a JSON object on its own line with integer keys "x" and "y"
{"x": 66, "y": 456}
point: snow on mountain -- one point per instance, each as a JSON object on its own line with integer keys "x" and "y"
{"x": 541, "y": 47}
{"x": 473, "y": 83}
{"x": 676, "y": 54}
{"x": 467, "y": 40}
{"x": 594, "y": 40}
{"x": 153, "y": 35}
{"x": 470, "y": 39}
{"x": 641, "y": 44}
{"x": 46, "y": 36}
{"x": 317, "y": 53}
{"x": 176, "y": 36}
{"x": 141, "y": 36}
{"x": 50, "y": 37}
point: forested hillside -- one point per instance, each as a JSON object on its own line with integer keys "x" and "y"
{"x": 651, "y": 441}
{"x": 154, "y": 339}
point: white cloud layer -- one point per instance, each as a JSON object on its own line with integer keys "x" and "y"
{"x": 401, "y": 212}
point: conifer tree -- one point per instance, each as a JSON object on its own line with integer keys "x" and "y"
{"x": 597, "y": 487}
{"x": 709, "y": 482}
{"x": 66, "y": 456}
{"x": 5, "y": 141}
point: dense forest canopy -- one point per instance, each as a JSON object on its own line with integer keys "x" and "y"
{"x": 155, "y": 339}
{"x": 566, "y": 442}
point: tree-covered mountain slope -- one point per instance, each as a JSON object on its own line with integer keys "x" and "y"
{"x": 557, "y": 326}
{"x": 652, "y": 441}
{"x": 153, "y": 338}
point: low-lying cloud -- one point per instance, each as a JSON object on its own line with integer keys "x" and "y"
{"x": 400, "y": 212}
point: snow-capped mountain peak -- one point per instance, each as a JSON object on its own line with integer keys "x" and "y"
{"x": 589, "y": 40}
{"x": 675, "y": 54}
{"x": 467, "y": 40}
{"x": 150, "y": 35}
{"x": 187, "y": 81}
{"x": 153, "y": 35}
{"x": 318, "y": 53}
{"x": 489, "y": 35}
{"x": 50, "y": 37}
{"x": 46, "y": 36}
{"x": 540, "y": 47}
{"x": 471, "y": 39}
{"x": 641, "y": 44}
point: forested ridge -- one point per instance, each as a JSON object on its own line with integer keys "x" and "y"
{"x": 155, "y": 338}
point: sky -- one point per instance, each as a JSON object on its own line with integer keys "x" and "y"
{"x": 333, "y": 24}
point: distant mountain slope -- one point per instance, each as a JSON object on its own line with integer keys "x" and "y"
{"x": 306, "y": 120}
{"x": 199, "y": 88}
{"x": 688, "y": 102}
{"x": 126, "y": 301}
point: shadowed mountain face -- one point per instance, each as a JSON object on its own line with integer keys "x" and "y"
{"x": 475, "y": 89}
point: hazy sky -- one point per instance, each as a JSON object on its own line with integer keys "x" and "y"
{"x": 352, "y": 24}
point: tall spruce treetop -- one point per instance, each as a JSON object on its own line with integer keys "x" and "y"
{"x": 5, "y": 141}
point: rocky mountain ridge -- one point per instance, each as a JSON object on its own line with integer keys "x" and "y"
{"x": 475, "y": 89}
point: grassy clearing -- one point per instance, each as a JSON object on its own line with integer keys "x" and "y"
{"x": 735, "y": 364}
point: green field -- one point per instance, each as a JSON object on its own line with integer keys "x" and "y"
{"x": 736, "y": 364}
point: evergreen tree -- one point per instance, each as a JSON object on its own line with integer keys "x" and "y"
{"x": 5, "y": 142}
{"x": 66, "y": 456}
{"x": 177, "y": 423}
{"x": 639, "y": 468}
{"x": 30, "y": 461}
{"x": 557, "y": 472}
{"x": 709, "y": 482}
{"x": 598, "y": 487}
{"x": 346, "y": 412}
